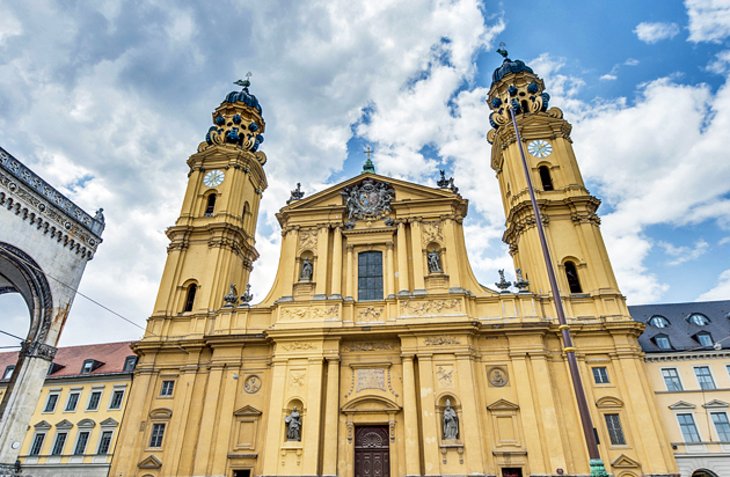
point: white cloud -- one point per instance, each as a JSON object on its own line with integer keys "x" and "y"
{"x": 10, "y": 26}
{"x": 608, "y": 77}
{"x": 721, "y": 64}
{"x": 683, "y": 254}
{"x": 631, "y": 62}
{"x": 650, "y": 32}
{"x": 721, "y": 291}
{"x": 709, "y": 20}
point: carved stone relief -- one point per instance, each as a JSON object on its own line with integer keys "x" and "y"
{"x": 432, "y": 232}
{"x": 296, "y": 378}
{"x": 297, "y": 346}
{"x": 370, "y": 378}
{"x": 369, "y": 346}
{"x": 433, "y": 307}
{"x": 441, "y": 341}
{"x": 252, "y": 384}
{"x": 445, "y": 376}
{"x": 497, "y": 376}
{"x": 370, "y": 313}
{"x": 308, "y": 239}
{"x": 305, "y": 313}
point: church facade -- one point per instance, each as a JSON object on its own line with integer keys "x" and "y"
{"x": 377, "y": 353}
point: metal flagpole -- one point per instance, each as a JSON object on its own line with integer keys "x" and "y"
{"x": 596, "y": 464}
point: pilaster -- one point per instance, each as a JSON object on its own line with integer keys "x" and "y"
{"x": 337, "y": 262}
{"x": 417, "y": 256}
{"x": 410, "y": 418}
{"x": 332, "y": 414}
{"x": 402, "y": 252}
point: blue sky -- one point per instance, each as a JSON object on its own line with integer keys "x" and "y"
{"x": 108, "y": 99}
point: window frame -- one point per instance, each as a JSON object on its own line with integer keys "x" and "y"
{"x": 365, "y": 292}
{"x": 102, "y": 442}
{"x": 701, "y": 336}
{"x": 694, "y": 317}
{"x": 190, "y": 292}
{"x": 574, "y": 286}
{"x": 72, "y": 406}
{"x": 87, "y": 367}
{"x": 8, "y": 373}
{"x": 664, "y": 322}
{"x": 130, "y": 363}
{"x": 51, "y": 407}
{"x": 164, "y": 391}
{"x": 59, "y": 443}
{"x": 616, "y": 434}
{"x": 660, "y": 338}
{"x": 690, "y": 426}
{"x": 676, "y": 376}
{"x": 37, "y": 445}
{"x": 157, "y": 435}
{"x": 600, "y": 375}
{"x": 86, "y": 435}
{"x": 115, "y": 403}
{"x": 706, "y": 382}
{"x": 100, "y": 392}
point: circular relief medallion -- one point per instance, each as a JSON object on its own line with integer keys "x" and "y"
{"x": 213, "y": 178}
{"x": 539, "y": 148}
{"x": 497, "y": 377}
{"x": 252, "y": 384}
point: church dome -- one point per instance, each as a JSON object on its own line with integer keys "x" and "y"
{"x": 244, "y": 97}
{"x": 510, "y": 67}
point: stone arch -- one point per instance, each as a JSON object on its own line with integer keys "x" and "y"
{"x": 704, "y": 473}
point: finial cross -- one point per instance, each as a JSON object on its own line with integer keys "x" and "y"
{"x": 368, "y": 151}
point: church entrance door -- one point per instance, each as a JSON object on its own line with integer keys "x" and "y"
{"x": 372, "y": 454}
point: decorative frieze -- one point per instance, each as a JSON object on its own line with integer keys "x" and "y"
{"x": 430, "y": 307}
{"x": 441, "y": 341}
{"x": 309, "y": 313}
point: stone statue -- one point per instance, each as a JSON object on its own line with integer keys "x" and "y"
{"x": 99, "y": 217}
{"x": 305, "y": 274}
{"x": 451, "y": 422}
{"x": 293, "y": 425}
{"x": 434, "y": 265}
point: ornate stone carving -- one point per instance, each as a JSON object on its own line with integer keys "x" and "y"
{"x": 310, "y": 312}
{"x": 296, "y": 194}
{"x": 37, "y": 350}
{"x": 308, "y": 239}
{"x": 497, "y": 376}
{"x": 445, "y": 183}
{"x": 502, "y": 284}
{"x": 433, "y": 307}
{"x": 370, "y": 313}
{"x": 231, "y": 298}
{"x": 434, "y": 262}
{"x": 445, "y": 376}
{"x": 293, "y": 425}
{"x": 296, "y": 378}
{"x": 297, "y": 346}
{"x": 369, "y": 346}
{"x": 370, "y": 378}
{"x": 451, "y": 422}
{"x": 306, "y": 271}
{"x": 441, "y": 340}
{"x": 252, "y": 384}
{"x": 520, "y": 283}
{"x": 370, "y": 199}
{"x": 432, "y": 231}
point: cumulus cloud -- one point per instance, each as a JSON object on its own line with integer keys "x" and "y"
{"x": 608, "y": 77}
{"x": 683, "y": 254}
{"x": 721, "y": 291}
{"x": 650, "y": 32}
{"x": 709, "y": 20}
{"x": 721, "y": 64}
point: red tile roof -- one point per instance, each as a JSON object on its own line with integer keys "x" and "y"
{"x": 72, "y": 359}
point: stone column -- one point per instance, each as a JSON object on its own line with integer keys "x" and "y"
{"x": 349, "y": 278}
{"x": 402, "y": 251}
{"x": 389, "y": 270}
{"x": 311, "y": 424}
{"x": 337, "y": 262}
{"x": 23, "y": 398}
{"x": 320, "y": 270}
{"x": 410, "y": 418}
{"x": 331, "y": 418}
{"x": 417, "y": 252}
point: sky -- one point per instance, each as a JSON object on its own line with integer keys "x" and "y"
{"x": 106, "y": 100}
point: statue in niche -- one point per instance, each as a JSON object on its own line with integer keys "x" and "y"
{"x": 305, "y": 274}
{"x": 293, "y": 425}
{"x": 451, "y": 422}
{"x": 434, "y": 262}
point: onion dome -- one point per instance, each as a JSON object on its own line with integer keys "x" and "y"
{"x": 244, "y": 96}
{"x": 510, "y": 67}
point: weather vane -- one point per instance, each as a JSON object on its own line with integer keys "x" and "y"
{"x": 244, "y": 83}
{"x": 502, "y": 51}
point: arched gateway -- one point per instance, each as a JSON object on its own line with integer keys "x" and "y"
{"x": 42, "y": 235}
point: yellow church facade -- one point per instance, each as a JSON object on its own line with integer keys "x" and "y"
{"x": 377, "y": 353}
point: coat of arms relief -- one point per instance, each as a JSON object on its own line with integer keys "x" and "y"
{"x": 368, "y": 200}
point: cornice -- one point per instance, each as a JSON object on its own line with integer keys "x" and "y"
{"x": 685, "y": 356}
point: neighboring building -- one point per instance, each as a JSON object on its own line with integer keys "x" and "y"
{"x": 75, "y": 424}
{"x": 377, "y": 352}
{"x": 43, "y": 237}
{"x": 687, "y": 348}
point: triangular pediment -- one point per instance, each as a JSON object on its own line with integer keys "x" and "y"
{"x": 42, "y": 425}
{"x": 150, "y": 462}
{"x": 503, "y": 405}
{"x": 109, "y": 422}
{"x": 625, "y": 462}
{"x": 64, "y": 424}
{"x": 404, "y": 192}
{"x": 247, "y": 411}
{"x": 682, "y": 405}
{"x": 715, "y": 404}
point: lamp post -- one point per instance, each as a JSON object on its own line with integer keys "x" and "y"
{"x": 596, "y": 464}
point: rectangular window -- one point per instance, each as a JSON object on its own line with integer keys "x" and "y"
{"x": 8, "y": 372}
{"x": 370, "y": 276}
{"x": 158, "y": 432}
{"x": 105, "y": 442}
{"x": 87, "y": 367}
{"x": 81, "y": 442}
{"x": 722, "y": 425}
{"x": 600, "y": 375}
{"x": 73, "y": 401}
{"x": 688, "y": 428}
{"x": 671, "y": 379}
{"x": 35, "y": 449}
{"x": 167, "y": 388}
{"x": 94, "y": 401}
{"x": 662, "y": 342}
{"x": 615, "y": 432}
{"x": 117, "y": 398}
{"x": 704, "y": 378}
{"x": 129, "y": 363}
{"x": 51, "y": 403}
{"x": 58, "y": 445}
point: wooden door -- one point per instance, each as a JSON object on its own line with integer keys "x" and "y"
{"x": 372, "y": 454}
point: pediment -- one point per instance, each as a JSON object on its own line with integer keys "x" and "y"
{"x": 247, "y": 411}
{"x": 503, "y": 405}
{"x": 404, "y": 192}
{"x": 150, "y": 462}
{"x": 682, "y": 405}
{"x": 64, "y": 424}
{"x": 371, "y": 404}
{"x": 609, "y": 402}
{"x": 715, "y": 404}
{"x": 625, "y": 462}
{"x": 109, "y": 422}
{"x": 161, "y": 413}
{"x": 42, "y": 425}
{"x": 86, "y": 423}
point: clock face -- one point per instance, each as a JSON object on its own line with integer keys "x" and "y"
{"x": 539, "y": 148}
{"x": 213, "y": 178}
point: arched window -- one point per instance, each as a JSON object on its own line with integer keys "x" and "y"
{"x": 658, "y": 321}
{"x": 572, "y": 275}
{"x": 190, "y": 297}
{"x": 698, "y": 319}
{"x": 244, "y": 215}
{"x": 545, "y": 178}
{"x": 210, "y": 206}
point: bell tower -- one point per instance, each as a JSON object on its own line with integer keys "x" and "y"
{"x": 212, "y": 242}
{"x": 568, "y": 210}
